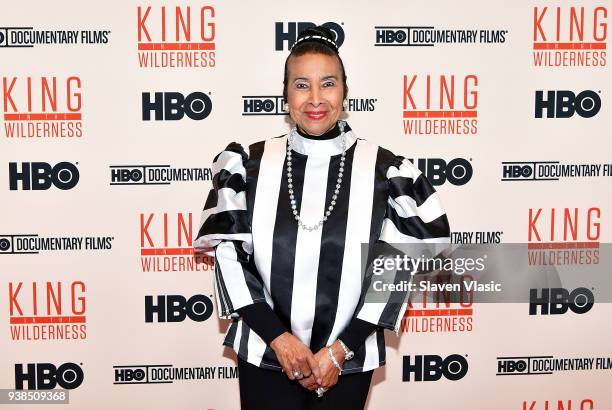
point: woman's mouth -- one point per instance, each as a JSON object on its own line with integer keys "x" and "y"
{"x": 316, "y": 115}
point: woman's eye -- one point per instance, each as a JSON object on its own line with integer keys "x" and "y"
{"x": 328, "y": 84}
{"x": 301, "y": 85}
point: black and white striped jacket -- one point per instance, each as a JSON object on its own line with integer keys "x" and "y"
{"x": 311, "y": 279}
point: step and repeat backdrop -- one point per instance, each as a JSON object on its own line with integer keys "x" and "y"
{"x": 112, "y": 113}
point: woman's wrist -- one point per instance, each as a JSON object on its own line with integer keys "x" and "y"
{"x": 331, "y": 354}
{"x": 338, "y": 352}
{"x": 279, "y": 339}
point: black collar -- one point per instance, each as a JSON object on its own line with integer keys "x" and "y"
{"x": 332, "y": 133}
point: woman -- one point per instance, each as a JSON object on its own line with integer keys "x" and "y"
{"x": 285, "y": 220}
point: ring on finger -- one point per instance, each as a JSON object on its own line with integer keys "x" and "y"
{"x": 298, "y": 374}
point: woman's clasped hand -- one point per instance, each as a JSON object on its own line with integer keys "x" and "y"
{"x": 312, "y": 371}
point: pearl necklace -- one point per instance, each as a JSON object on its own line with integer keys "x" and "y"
{"x": 330, "y": 208}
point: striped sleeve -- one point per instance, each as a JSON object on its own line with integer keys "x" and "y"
{"x": 415, "y": 218}
{"x": 225, "y": 233}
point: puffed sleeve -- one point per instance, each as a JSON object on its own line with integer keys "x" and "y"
{"x": 414, "y": 217}
{"x": 225, "y": 233}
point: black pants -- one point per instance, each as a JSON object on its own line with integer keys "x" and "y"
{"x": 263, "y": 389}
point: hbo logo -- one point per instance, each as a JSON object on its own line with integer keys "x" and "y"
{"x": 126, "y": 175}
{"x": 41, "y": 176}
{"x": 45, "y": 376}
{"x": 457, "y": 171}
{"x": 511, "y": 366}
{"x": 563, "y": 104}
{"x": 517, "y": 171}
{"x": 293, "y": 28}
{"x": 129, "y": 375}
{"x": 557, "y": 301}
{"x": 390, "y": 36}
{"x": 175, "y": 308}
{"x": 433, "y": 367}
{"x": 173, "y": 106}
{"x": 263, "y": 105}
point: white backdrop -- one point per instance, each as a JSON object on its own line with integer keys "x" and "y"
{"x": 104, "y": 281}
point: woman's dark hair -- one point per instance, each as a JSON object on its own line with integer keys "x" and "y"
{"x": 314, "y": 46}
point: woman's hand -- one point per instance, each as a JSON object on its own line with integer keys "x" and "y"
{"x": 309, "y": 383}
{"x": 294, "y": 355}
{"x": 329, "y": 372}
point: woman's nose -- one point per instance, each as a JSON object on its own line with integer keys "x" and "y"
{"x": 315, "y": 96}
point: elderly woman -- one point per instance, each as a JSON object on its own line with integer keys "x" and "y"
{"x": 285, "y": 220}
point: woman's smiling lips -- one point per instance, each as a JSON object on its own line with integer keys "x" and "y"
{"x": 316, "y": 115}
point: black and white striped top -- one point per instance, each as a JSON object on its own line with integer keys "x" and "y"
{"x": 311, "y": 279}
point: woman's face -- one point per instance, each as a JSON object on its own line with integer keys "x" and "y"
{"x": 315, "y": 92}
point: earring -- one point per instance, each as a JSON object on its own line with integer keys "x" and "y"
{"x": 345, "y": 103}
{"x": 286, "y": 107}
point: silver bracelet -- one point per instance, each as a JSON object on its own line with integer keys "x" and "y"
{"x": 333, "y": 359}
{"x": 348, "y": 354}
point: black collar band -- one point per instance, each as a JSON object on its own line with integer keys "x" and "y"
{"x": 332, "y": 133}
